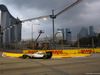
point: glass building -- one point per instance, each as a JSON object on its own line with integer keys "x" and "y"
{"x": 83, "y": 33}
{"x": 12, "y": 33}
{"x": 91, "y": 31}
{"x": 68, "y": 35}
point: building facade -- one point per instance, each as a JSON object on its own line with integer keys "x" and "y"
{"x": 13, "y": 33}
{"x": 59, "y": 35}
{"x": 83, "y": 33}
{"x": 68, "y": 35}
{"x": 91, "y": 31}
{"x": 62, "y": 32}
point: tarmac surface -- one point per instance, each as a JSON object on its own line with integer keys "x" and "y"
{"x": 59, "y": 66}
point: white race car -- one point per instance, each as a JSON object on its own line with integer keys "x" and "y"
{"x": 38, "y": 55}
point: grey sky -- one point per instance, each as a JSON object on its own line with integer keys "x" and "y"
{"x": 84, "y": 14}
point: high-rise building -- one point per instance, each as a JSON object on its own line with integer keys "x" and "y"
{"x": 83, "y": 33}
{"x": 13, "y": 33}
{"x": 68, "y": 35}
{"x": 59, "y": 35}
{"x": 62, "y": 32}
{"x": 91, "y": 31}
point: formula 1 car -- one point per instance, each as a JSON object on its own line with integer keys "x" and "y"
{"x": 38, "y": 55}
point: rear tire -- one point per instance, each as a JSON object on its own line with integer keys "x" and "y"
{"x": 30, "y": 57}
{"x": 24, "y": 56}
{"x": 49, "y": 55}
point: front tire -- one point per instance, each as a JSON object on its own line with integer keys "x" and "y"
{"x": 45, "y": 57}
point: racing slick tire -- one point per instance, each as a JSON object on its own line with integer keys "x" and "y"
{"x": 24, "y": 56}
{"x": 30, "y": 57}
{"x": 49, "y": 55}
{"x": 45, "y": 57}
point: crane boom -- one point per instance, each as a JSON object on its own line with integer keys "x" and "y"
{"x": 75, "y": 3}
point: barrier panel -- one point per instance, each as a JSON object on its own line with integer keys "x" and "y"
{"x": 97, "y": 50}
{"x": 17, "y": 55}
{"x": 71, "y": 51}
{"x": 57, "y": 53}
{"x": 6, "y": 54}
{"x": 54, "y": 52}
{"x": 86, "y": 51}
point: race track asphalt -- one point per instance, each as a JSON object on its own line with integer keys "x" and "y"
{"x": 58, "y": 66}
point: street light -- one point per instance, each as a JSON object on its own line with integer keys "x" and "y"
{"x": 44, "y": 18}
{"x": 32, "y": 38}
{"x": 53, "y": 17}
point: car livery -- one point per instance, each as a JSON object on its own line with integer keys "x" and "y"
{"x": 38, "y": 55}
